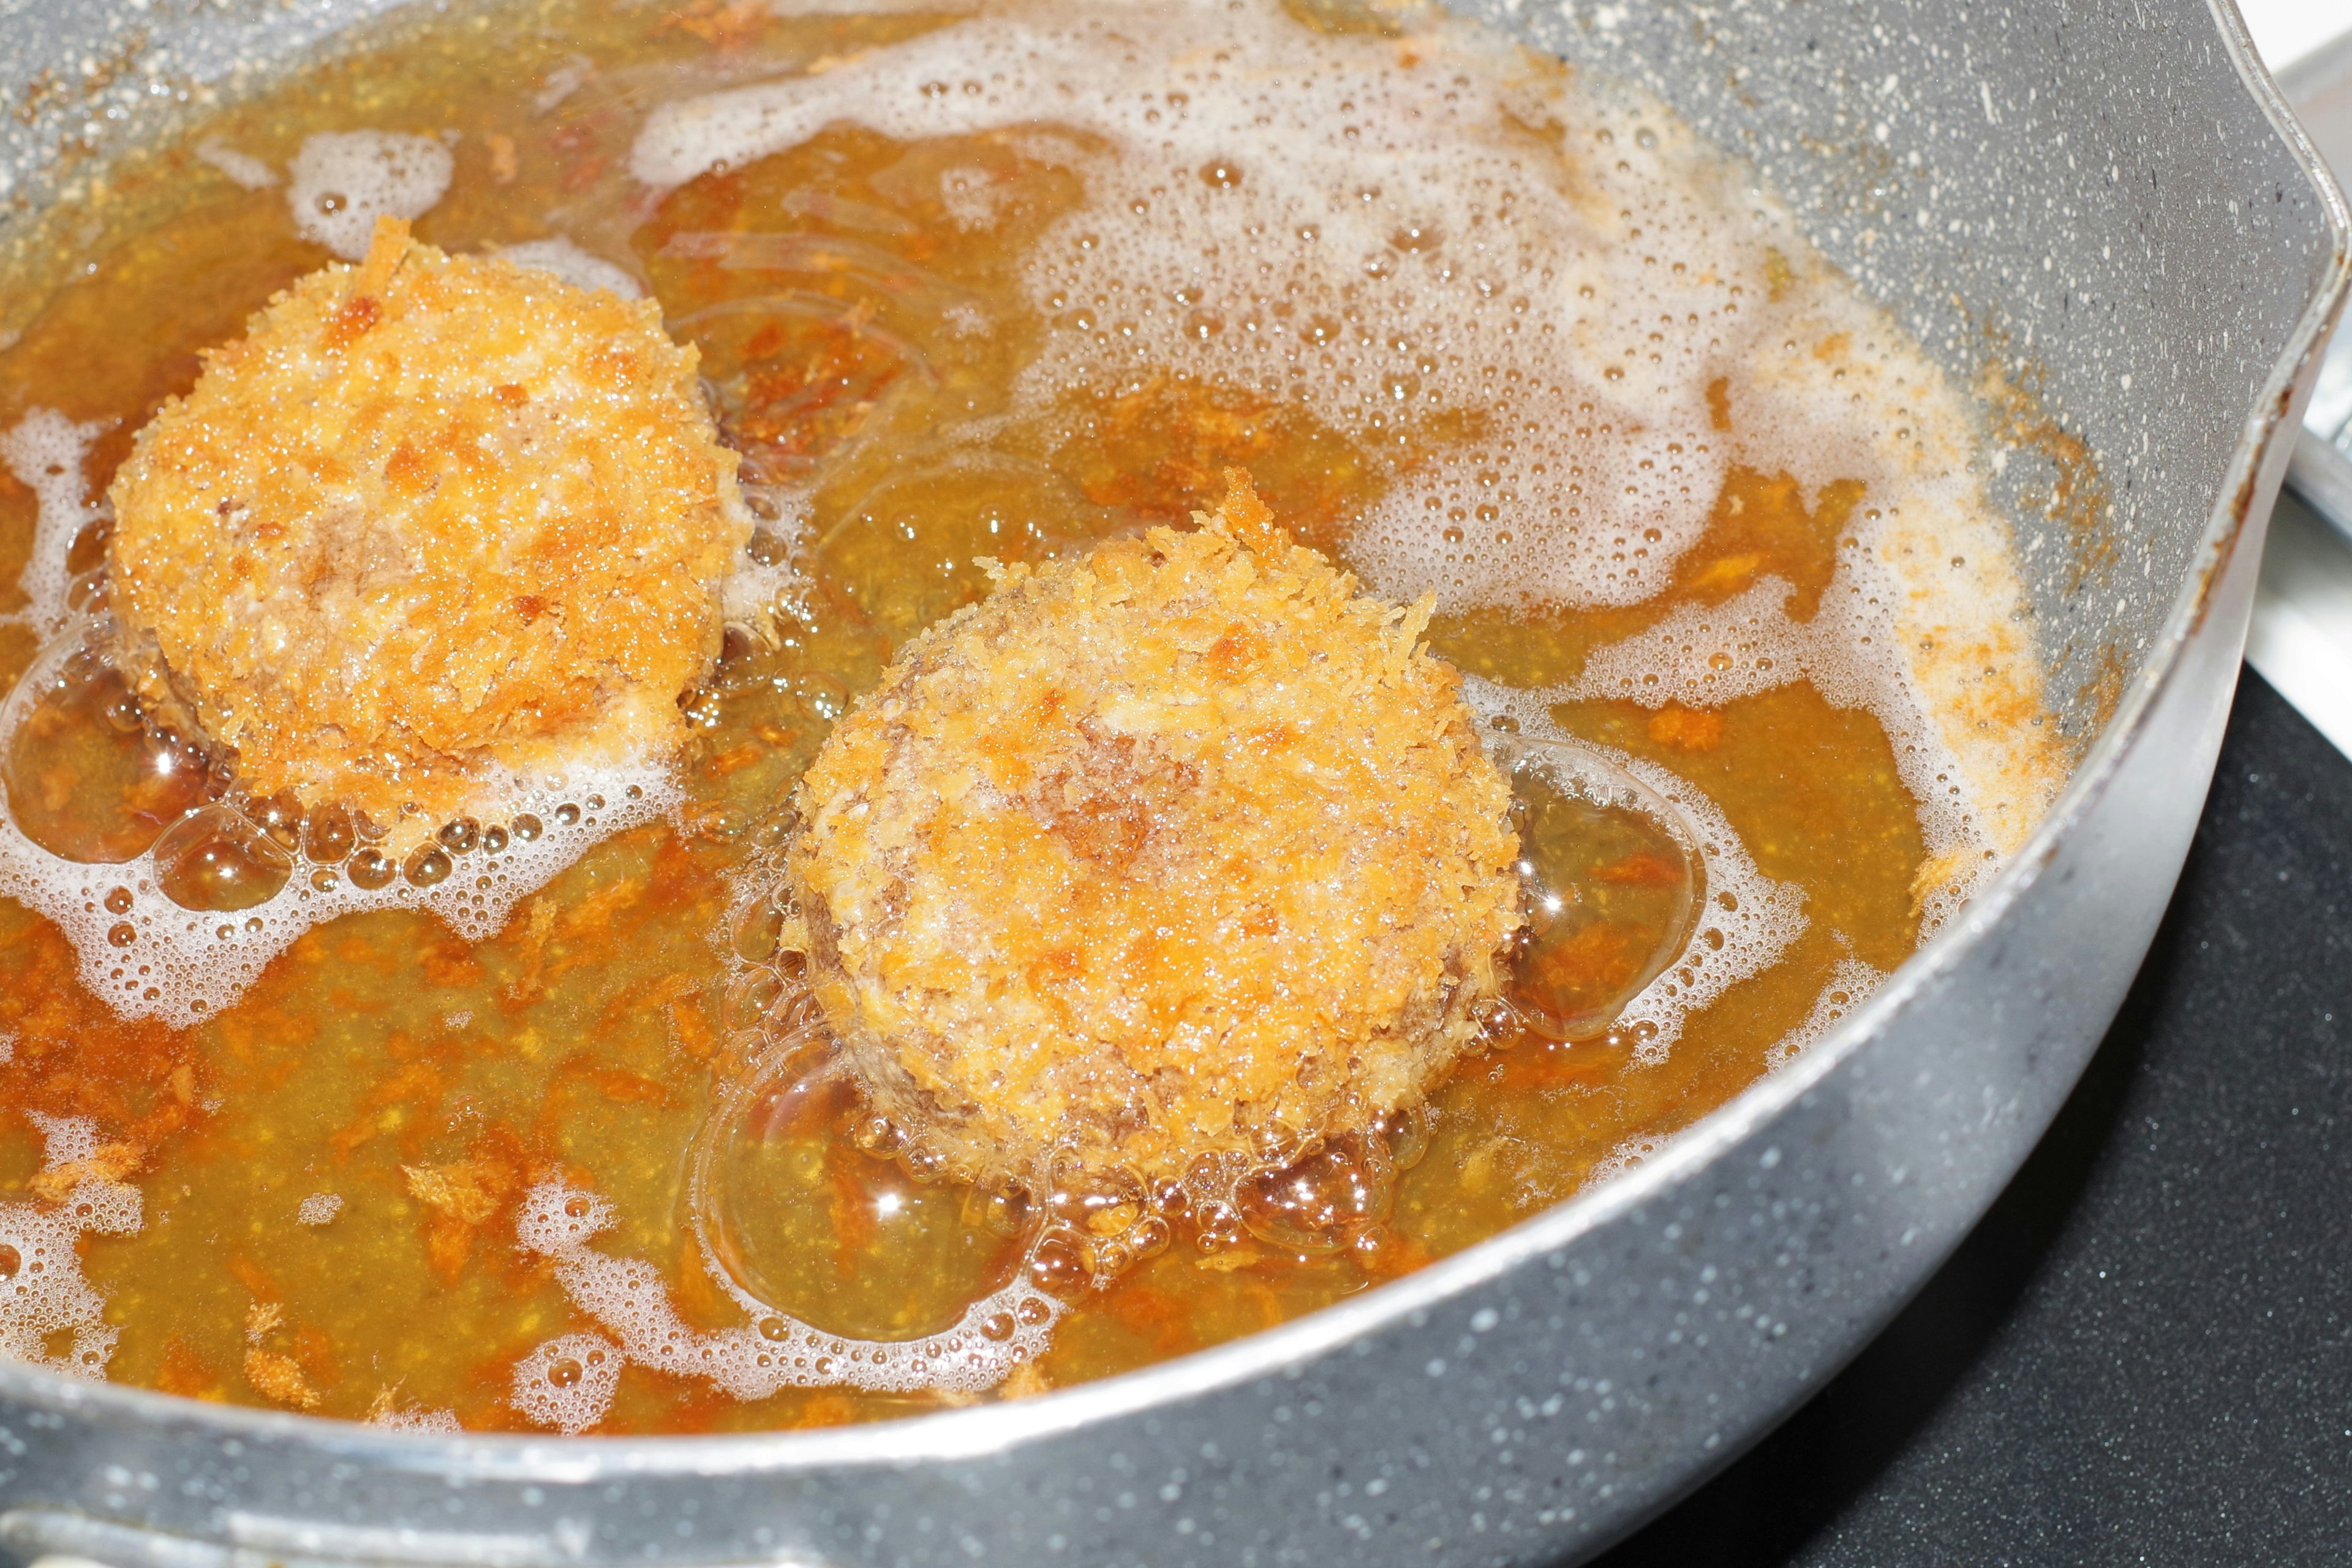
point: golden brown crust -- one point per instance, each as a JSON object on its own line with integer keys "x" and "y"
{"x": 435, "y": 522}
{"x": 1180, "y": 849}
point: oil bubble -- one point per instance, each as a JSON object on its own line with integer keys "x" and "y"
{"x": 1057, "y": 1266}
{"x": 427, "y": 865}
{"x": 329, "y": 835}
{"x": 1323, "y": 1200}
{"x": 64, "y": 755}
{"x": 756, "y": 930}
{"x": 213, "y": 858}
{"x": 1612, "y": 880}
{"x": 1408, "y": 1131}
{"x": 796, "y": 1217}
{"x": 280, "y": 816}
{"x": 370, "y": 870}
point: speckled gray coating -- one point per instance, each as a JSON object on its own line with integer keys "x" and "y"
{"x": 2101, "y": 191}
{"x": 2014, "y": 182}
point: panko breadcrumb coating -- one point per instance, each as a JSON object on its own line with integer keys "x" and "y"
{"x": 435, "y": 521}
{"x": 1182, "y": 849}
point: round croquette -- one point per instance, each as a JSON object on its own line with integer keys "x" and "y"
{"x": 437, "y": 524}
{"x": 1181, "y": 849}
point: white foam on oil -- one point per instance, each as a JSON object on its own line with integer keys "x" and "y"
{"x": 242, "y": 167}
{"x": 1848, "y": 987}
{"x": 419, "y": 1419}
{"x": 45, "y": 450}
{"x": 1853, "y": 651}
{"x": 1355, "y": 223}
{"x": 1633, "y": 1152}
{"x": 569, "y": 1381}
{"x": 1746, "y": 920}
{"x": 766, "y": 576}
{"x": 558, "y": 1385}
{"x": 43, "y": 1294}
{"x": 318, "y": 1208}
{"x": 147, "y": 956}
{"x": 1703, "y": 655}
{"x": 561, "y": 82}
{"x": 342, "y": 180}
{"x": 581, "y": 269}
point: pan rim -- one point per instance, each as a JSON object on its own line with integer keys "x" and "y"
{"x": 1289, "y": 1348}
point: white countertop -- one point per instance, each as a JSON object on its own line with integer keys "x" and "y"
{"x": 2301, "y": 639}
{"x": 2287, "y": 30}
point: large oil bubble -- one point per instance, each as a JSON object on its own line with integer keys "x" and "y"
{"x": 818, "y": 1213}
{"x": 86, "y": 779}
{"x": 796, "y": 374}
{"x": 1594, "y": 820}
{"x": 1612, "y": 879}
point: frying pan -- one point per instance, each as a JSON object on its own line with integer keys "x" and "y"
{"x": 2106, "y": 197}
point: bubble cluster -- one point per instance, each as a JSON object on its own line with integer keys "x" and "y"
{"x": 1703, "y": 655}
{"x": 178, "y": 929}
{"x": 1084, "y": 1227}
{"x": 425, "y": 1418}
{"x": 1853, "y": 652}
{"x": 1519, "y": 294}
{"x": 45, "y": 451}
{"x": 1746, "y": 922}
{"x": 1849, "y": 985}
{"x": 1554, "y": 318}
{"x": 43, "y": 1295}
{"x": 568, "y": 1382}
{"x": 1633, "y": 1152}
{"x": 342, "y": 180}
{"x": 563, "y": 1385}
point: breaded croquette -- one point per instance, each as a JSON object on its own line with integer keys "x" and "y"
{"x": 1181, "y": 849}
{"x": 435, "y": 523}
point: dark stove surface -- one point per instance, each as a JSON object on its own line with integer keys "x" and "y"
{"x": 2143, "y": 1354}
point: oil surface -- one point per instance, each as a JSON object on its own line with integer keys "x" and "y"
{"x": 329, "y": 1171}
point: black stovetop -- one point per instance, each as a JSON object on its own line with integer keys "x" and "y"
{"x": 2144, "y": 1353}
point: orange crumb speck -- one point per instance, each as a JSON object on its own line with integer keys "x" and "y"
{"x": 1686, "y": 729}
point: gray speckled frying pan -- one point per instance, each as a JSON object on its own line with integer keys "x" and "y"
{"x": 2109, "y": 185}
